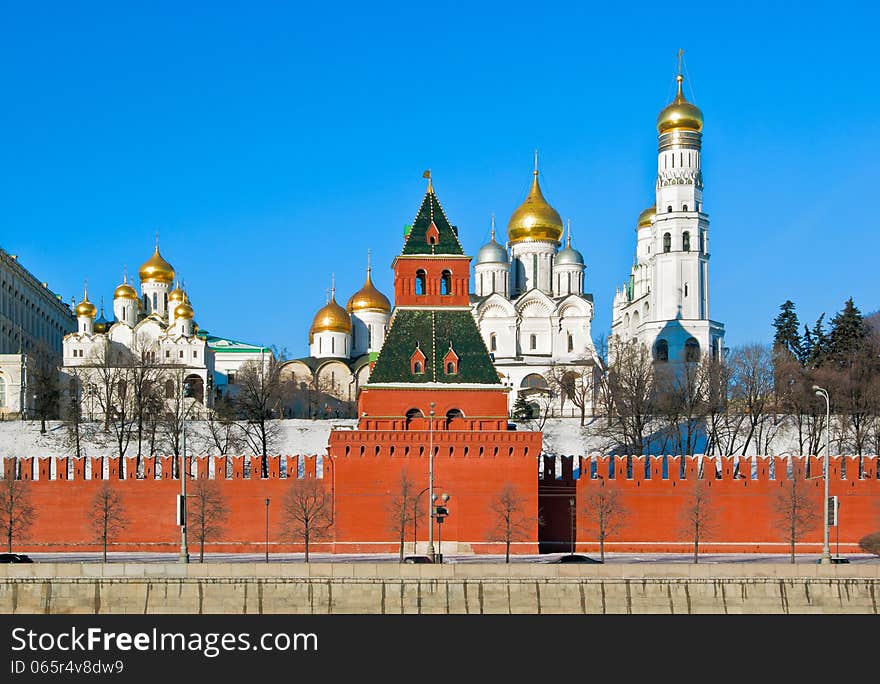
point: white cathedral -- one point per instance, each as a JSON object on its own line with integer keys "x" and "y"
{"x": 665, "y": 303}
{"x": 529, "y": 302}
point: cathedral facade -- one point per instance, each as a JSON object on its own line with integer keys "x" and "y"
{"x": 665, "y": 302}
{"x": 530, "y": 306}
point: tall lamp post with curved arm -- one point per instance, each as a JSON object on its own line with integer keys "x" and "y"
{"x": 826, "y": 551}
{"x": 431, "y": 482}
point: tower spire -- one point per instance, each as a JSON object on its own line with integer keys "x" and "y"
{"x": 427, "y": 174}
{"x": 536, "y": 161}
{"x": 86, "y": 290}
{"x": 568, "y": 239}
{"x": 680, "y": 76}
{"x": 368, "y": 261}
{"x": 493, "y": 226}
{"x": 332, "y": 287}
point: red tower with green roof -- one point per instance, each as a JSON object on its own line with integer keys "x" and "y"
{"x": 433, "y": 386}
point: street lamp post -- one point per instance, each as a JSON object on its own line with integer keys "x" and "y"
{"x": 571, "y": 506}
{"x": 431, "y": 481}
{"x": 267, "y": 529}
{"x": 826, "y": 551}
{"x": 184, "y": 548}
{"x": 440, "y": 512}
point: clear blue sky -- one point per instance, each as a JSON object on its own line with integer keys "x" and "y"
{"x": 272, "y": 143}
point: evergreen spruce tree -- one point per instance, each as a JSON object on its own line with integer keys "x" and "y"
{"x": 787, "y": 329}
{"x": 818, "y": 344}
{"x": 848, "y": 333}
{"x": 807, "y": 345}
{"x": 521, "y": 408}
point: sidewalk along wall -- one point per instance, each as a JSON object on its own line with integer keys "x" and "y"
{"x": 62, "y": 491}
{"x": 473, "y": 468}
{"x": 746, "y": 500}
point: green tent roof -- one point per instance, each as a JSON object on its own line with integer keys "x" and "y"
{"x": 433, "y": 330}
{"x": 417, "y": 239}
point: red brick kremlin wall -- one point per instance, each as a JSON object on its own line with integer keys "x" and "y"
{"x": 743, "y": 492}
{"x": 743, "y": 499}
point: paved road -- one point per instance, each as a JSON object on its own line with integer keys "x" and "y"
{"x": 393, "y": 558}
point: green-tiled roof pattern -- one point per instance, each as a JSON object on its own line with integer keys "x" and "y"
{"x": 417, "y": 239}
{"x": 434, "y": 330}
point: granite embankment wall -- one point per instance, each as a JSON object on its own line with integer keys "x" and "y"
{"x": 461, "y": 588}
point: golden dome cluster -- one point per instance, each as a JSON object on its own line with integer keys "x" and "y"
{"x": 177, "y": 295}
{"x": 680, "y": 114}
{"x": 368, "y": 298}
{"x": 184, "y": 309}
{"x": 535, "y": 219}
{"x": 156, "y": 269}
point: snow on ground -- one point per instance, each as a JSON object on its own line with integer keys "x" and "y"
{"x": 563, "y": 436}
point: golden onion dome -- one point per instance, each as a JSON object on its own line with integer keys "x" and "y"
{"x": 680, "y": 115}
{"x": 85, "y": 308}
{"x": 177, "y": 295}
{"x": 124, "y": 291}
{"x": 101, "y": 323}
{"x": 368, "y": 298}
{"x": 330, "y": 318}
{"x": 184, "y": 310}
{"x": 646, "y": 218}
{"x": 535, "y": 219}
{"x": 156, "y": 269}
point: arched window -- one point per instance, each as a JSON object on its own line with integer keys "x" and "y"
{"x": 155, "y": 301}
{"x": 533, "y": 342}
{"x": 669, "y": 209}
{"x": 446, "y": 283}
{"x": 569, "y": 385}
{"x": 450, "y": 368}
{"x": 701, "y": 241}
{"x": 413, "y": 414}
{"x": 686, "y": 241}
{"x": 684, "y": 207}
{"x": 421, "y": 278}
{"x": 661, "y": 351}
{"x": 169, "y": 389}
{"x": 2, "y": 392}
{"x": 417, "y": 368}
{"x": 691, "y": 350}
{"x": 667, "y": 242}
{"x": 493, "y": 342}
{"x": 453, "y": 415}
{"x": 534, "y": 381}
{"x": 570, "y": 342}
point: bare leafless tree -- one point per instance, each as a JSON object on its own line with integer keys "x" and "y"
{"x": 681, "y": 403}
{"x": 107, "y": 515}
{"x": 43, "y": 383}
{"x": 631, "y": 389}
{"x": 16, "y": 508}
{"x": 574, "y": 383}
{"x": 258, "y": 402}
{"x": 207, "y": 511}
{"x": 604, "y": 395}
{"x": 698, "y": 517}
{"x": 307, "y": 511}
{"x": 221, "y": 434}
{"x": 402, "y": 509}
{"x": 752, "y": 387}
{"x": 796, "y": 511}
{"x": 605, "y": 511}
{"x": 511, "y": 522}
{"x": 142, "y": 378}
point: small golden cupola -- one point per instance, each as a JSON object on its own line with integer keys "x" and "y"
{"x": 184, "y": 309}
{"x": 124, "y": 290}
{"x": 330, "y": 318}
{"x": 85, "y": 308}
{"x": 368, "y": 298}
{"x": 535, "y": 219}
{"x": 156, "y": 269}
{"x": 680, "y": 114}
{"x": 177, "y": 295}
{"x": 646, "y": 218}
